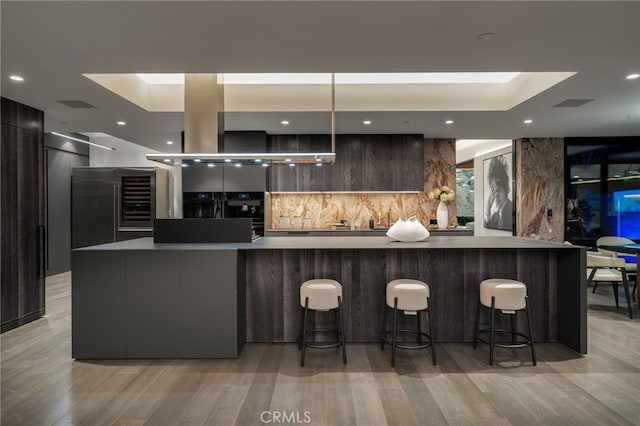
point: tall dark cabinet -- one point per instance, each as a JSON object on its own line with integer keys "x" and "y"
{"x": 22, "y": 231}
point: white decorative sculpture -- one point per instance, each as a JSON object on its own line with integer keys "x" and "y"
{"x": 408, "y": 230}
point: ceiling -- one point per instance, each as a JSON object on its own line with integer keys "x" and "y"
{"x": 52, "y": 44}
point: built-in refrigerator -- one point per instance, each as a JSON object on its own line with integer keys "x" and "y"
{"x": 111, "y": 204}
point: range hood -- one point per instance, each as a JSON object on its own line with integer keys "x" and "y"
{"x": 204, "y": 129}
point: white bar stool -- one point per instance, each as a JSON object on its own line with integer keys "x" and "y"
{"x": 508, "y": 297}
{"x": 411, "y": 297}
{"x": 321, "y": 295}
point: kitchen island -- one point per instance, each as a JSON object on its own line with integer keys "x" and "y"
{"x": 137, "y": 299}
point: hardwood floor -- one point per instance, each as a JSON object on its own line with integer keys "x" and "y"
{"x": 43, "y": 385}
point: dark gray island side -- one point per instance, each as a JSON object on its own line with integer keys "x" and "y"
{"x": 137, "y": 299}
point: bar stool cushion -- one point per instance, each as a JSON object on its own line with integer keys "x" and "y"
{"x": 412, "y": 294}
{"x": 322, "y": 293}
{"x": 509, "y": 294}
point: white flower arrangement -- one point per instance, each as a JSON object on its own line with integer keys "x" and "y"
{"x": 442, "y": 194}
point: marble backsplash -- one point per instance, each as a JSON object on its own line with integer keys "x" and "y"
{"x": 323, "y": 209}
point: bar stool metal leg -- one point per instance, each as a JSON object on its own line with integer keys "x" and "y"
{"x": 300, "y": 329}
{"x": 491, "y": 337}
{"x": 533, "y": 348}
{"x": 341, "y": 325}
{"x": 395, "y": 332}
{"x": 419, "y": 328}
{"x": 431, "y": 335}
{"x": 514, "y": 321}
{"x": 304, "y": 330}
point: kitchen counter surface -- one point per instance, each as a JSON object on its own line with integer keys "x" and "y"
{"x": 270, "y": 243}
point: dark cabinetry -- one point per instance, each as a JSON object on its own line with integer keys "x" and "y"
{"x": 363, "y": 163}
{"x": 22, "y": 244}
{"x": 116, "y": 204}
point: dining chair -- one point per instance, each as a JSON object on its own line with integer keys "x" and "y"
{"x": 602, "y": 268}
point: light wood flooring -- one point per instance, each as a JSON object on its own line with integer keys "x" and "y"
{"x": 43, "y": 385}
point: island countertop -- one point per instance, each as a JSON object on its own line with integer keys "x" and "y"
{"x": 342, "y": 243}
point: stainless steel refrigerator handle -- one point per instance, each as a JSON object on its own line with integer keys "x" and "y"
{"x": 115, "y": 211}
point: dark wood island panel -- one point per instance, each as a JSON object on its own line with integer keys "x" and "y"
{"x": 454, "y": 276}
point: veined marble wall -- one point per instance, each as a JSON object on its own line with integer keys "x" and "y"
{"x": 464, "y": 191}
{"x": 440, "y": 169}
{"x": 540, "y": 186}
{"x": 323, "y": 209}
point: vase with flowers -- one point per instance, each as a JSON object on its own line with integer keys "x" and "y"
{"x": 443, "y": 195}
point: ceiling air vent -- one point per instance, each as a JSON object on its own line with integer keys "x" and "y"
{"x": 76, "y": 104}
{"x": 572, "y": 103}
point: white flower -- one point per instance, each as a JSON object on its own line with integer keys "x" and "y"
{"x": 444, "y": 194}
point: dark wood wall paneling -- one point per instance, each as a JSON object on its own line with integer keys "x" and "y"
{"x": 363, "y": 163}
{"x": 22, "y": 244}
{"x": 454, "y": 276}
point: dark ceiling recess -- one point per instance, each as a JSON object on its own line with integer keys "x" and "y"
{"x": 572, "y": 103}
{"x": 76, "y": 104}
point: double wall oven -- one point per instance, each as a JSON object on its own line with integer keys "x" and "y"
{"x": 226, "y": 205}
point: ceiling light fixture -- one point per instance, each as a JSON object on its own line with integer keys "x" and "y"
{"x": 528, "y": 121}
{"x": 448, "y": 122}
{"x": 169, "y": 142}
{"x": 16, "y": 78}
{"x": 284, "y": 122}
{"x": 197, "y": 160}
{"x": 632, "y": 76}
{"x": 211, "y": 165}
{"x": 249, "y": 158}
{"x": 121, "y": 123}
{"x": 83, "y": 141}
{"x": 366, "y": 122}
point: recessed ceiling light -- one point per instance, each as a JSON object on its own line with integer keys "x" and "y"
{"x": 258, "y": 160}
{"x": 485, "y": 36}
{"x": 448, "y": 122}
{"x": 169, "y": 142}
{"x": 121, "y": 123}
{"x": 265, "y": 165}
{"x": 292, "y": 165}
{"x": 319, "y": 164}
{"x": 287, "y": 159}
{"x": 183, "y": 165}
{"x": 166, "y": 160}
{"x": 318, "y": 160}
{"x": 284, "y": 122}
{"x": 528, "y": 121}
{"x": 226, "y": 160}
{"x": 632, "y": 76}
{"x": 238, "y": 165}
{"x": 366, "y": 122}
{"x": 211, "y": 165}
{"x": 16, "y": 78}
{"x": 197, "y": 160}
